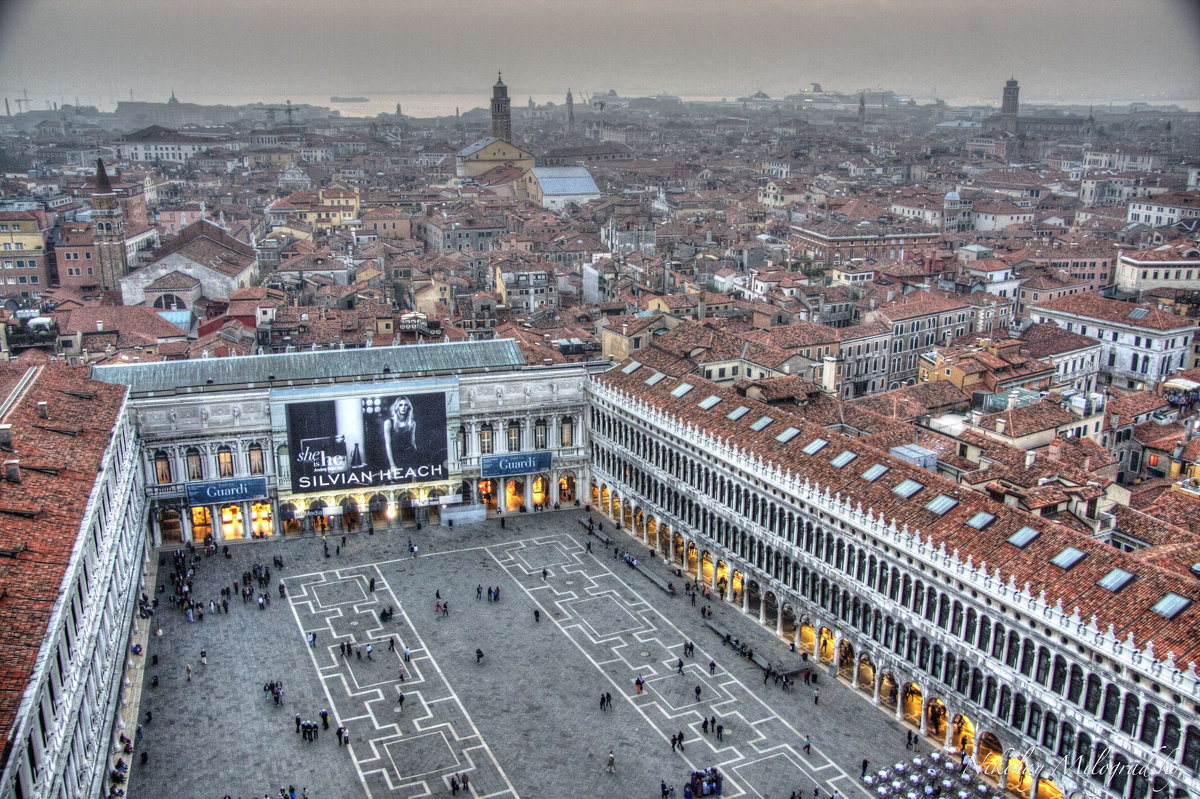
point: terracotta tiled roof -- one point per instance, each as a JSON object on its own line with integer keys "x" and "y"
{"x": 1128, "y": 612}
{"x": 1090, "y": 305}
{"x": 41, "y": 517}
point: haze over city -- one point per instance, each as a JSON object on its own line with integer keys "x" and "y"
{"x": 230, "y": 51}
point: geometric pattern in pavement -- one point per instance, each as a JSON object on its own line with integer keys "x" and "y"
{"x": 406, "y": 752}
{"x": 625, "y": 636}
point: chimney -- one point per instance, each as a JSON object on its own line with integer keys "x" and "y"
{"x": 829, "y": 374}
{"x": 1012, "y": 401}
{"x": 6, "y": 437}
{"x": 43, "y": 409}
{"x": 12, "y": 471}
{"x": 99, "y": 326}
{"x": 1030, "y": 455}
{"x": 1056, "y": 448}
{"x": 1000, "y": 425}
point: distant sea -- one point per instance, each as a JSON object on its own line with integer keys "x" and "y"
{"x": 430, "y": 104}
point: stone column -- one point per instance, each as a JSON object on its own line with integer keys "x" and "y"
{"x": 472, "y": 444}
{"x": 527, "y": 494}
{"x": 924, "y": 714}
{"x": 247, "y": 522}
{"x": 778, "y": 618}
{"x": 875, "y": 689}
{"x": 816, "y": 641}
{"x": 900, "y": 706}
{"x": 835, "y": 663}
{"x": 1004, "y": 762}
{"x": 185, "y": 523}
{"x": 1034, "y": 774}
{"x": 762, "y": 606}
{"x": 745, "y": 596}
{"x": 949, "y": 730}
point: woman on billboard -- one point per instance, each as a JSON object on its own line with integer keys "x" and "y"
{"x": 399, "y": 430}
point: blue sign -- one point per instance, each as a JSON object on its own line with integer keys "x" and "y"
{"x": 222, "y": 491}
{"x": 516, "y": 463}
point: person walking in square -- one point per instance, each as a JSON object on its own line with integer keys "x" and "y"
{"x": 537, "y": 615}
{"x": 608, "y": 700}
{"x": 679, "y": 667}
{"x": 720, "y": 732}
{"x": 816, "y": 697}
{"x": 612, "y": 762}
{"x": 400, "y": 701}
{"x": 807, "y": 745}
{"x": 865, "y": 764}
{"x": 712, "y": 667}
{"x": 697, "y": 693}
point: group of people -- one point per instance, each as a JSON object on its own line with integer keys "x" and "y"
{"x": 274, "y": 690}
{"x": 284, "y": 793}
{"x": 708, "y": 782}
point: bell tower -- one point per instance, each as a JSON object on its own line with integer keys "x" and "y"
{"x": 501, "y": 111}
{"x": 108, "y": 231}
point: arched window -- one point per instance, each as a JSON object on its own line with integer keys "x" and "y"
{"x": 486, "y": 443}
{"x": 1129, "y": 719}
{"x": 1150, "y": 723}
{"x": 1191, "y": 749}
{"x": 514, "y": 437}
{"x": 254, "y": 459}
{"x": 1014, "y": 650}
{"x": 1075, "y": 689}
{"x": 195, "y": 464}
{"x": 1112, "y": 705}
{"x": 1043, "y": 666}
{"x": 1170, "y": 741}
{"x": 1094, "y": 692}
{"x": 539, "y": 434}
{"x": 162, "y": 468}
{"x": 566, "y": 431}
{"x": 1019, "y": 707}
{"x": 224, "y": 461}
{"x": 1027, "y": 659}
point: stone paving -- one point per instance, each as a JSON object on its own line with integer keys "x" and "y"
{"x": 525, "y": 721}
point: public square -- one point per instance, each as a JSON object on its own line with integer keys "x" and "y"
{"x": 526, "y": 721}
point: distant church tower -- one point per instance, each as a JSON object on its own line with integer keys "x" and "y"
{"x": 108, "y": 231}
{"x": 570, "y": 112}
{"x": 1010, "y": 105}
{"x": 501, "y": 112}
{"x": 862, "y": 110}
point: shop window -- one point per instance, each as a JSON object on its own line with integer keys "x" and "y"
{"x": 195, "y": 464}
{"x": 232, "y": 525}
{"x": 201, "y": 524}
{"x": 162, "y": 468}
{"x": 260, "y": 519}
{"x": 254, "y": 459}
{"x": 225, "y": 462}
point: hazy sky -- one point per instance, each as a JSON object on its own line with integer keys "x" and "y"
{"x": 98, "y": 50}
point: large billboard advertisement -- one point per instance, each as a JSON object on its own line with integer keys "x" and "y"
{"x": 366, "y": 441}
